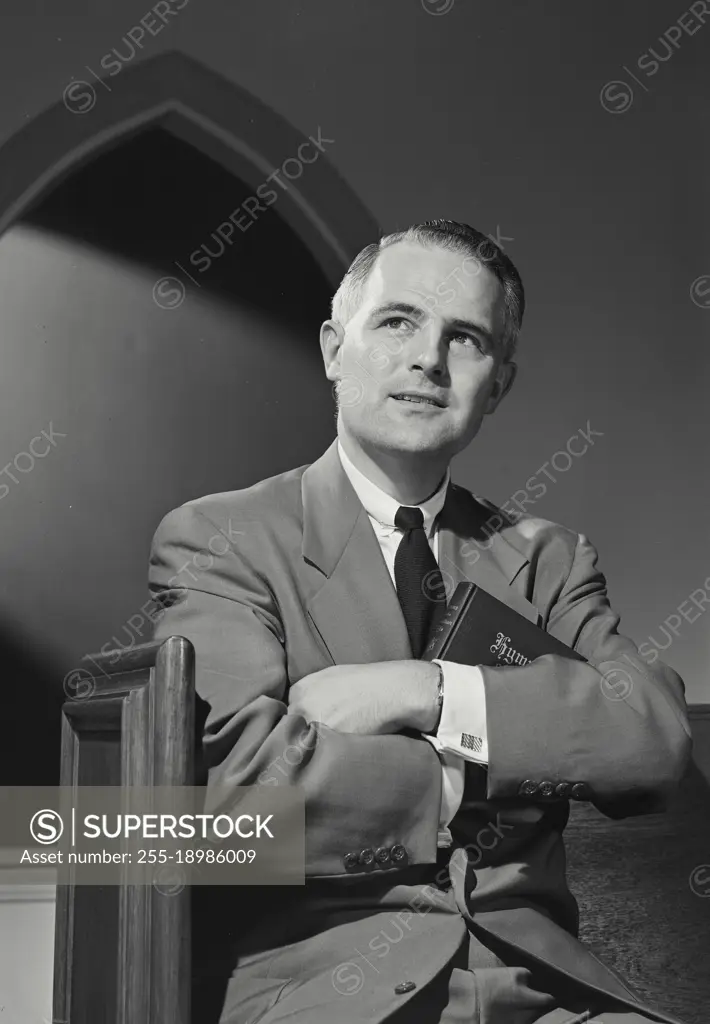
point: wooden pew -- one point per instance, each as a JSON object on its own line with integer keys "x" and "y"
{"x": 122, "y": 953}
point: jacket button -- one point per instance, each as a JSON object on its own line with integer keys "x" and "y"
{"x": 562, "y": 790}
{"x": 398, "y": 854}
{"x": 382, "y": 855}
{"x": 404, "y": 986}
{"x": 366, "y": 856}
{"x": 528, "y": 788}
{"x": 350, "y": 861}
{"x": 547, "y": 788}
{"x": 580, "y": 791}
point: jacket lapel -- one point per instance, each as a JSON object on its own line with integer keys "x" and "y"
{"x": 471, "y": 550}
{"x": 355, "y": 609}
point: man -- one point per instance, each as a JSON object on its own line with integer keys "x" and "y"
{"x": 436, "y": 793}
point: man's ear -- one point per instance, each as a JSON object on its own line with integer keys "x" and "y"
{"x": 507, "y": 372}
{"x": 332, "y": 335}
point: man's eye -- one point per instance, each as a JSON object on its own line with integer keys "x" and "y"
{"x": 397, "y": 322}
{"x": 468, "y": 339}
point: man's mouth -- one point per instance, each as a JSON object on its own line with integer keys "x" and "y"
{"x": 413, "y": 396}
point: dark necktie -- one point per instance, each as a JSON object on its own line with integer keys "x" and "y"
{"x": 417, "y": 577}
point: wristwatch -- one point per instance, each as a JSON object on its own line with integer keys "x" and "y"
{"x": 440, "y": 688}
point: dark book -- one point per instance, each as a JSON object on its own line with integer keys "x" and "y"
{"x": 478, "y": 629}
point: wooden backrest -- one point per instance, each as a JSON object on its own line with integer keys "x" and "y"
{"x": 122, "y": 952}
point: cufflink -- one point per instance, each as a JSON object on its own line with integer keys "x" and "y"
{"x": 470, "y": 742}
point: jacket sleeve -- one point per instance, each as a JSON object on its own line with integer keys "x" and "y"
{"x": 361, "y": 792}
{"x": 615, "y": 728}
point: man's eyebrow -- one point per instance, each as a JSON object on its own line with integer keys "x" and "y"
{"x": 458, "y": 324}
{"x": 397, "y": 307}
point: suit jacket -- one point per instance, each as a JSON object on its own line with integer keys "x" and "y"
{"x": 281, "y": 579}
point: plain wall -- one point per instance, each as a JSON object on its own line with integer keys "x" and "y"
{"x": 491, "y": 114}
{"x": 26, "y": 951}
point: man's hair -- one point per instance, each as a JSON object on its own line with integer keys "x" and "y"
{"x": 444, "y": 234}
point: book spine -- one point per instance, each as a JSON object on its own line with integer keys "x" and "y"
{"x": 448, "y": 624}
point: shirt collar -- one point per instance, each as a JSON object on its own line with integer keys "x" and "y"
{"x": 382, "y": 506}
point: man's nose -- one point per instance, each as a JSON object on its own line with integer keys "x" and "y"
{"x": 428, "y": 351}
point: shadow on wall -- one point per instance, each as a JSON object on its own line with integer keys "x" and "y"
{"x": 29, "y": 739}
{"x": 156, "y": 201}
{"x": 158, "y": 400}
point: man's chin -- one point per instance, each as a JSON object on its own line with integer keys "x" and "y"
{"x": 413, "y": 442}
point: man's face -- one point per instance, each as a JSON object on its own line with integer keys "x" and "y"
{"x": 429, "y": 323}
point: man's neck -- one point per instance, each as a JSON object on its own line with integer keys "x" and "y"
{"x": 409, "y": 478}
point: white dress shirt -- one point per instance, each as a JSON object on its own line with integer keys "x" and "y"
{"x": 461, "y": 735}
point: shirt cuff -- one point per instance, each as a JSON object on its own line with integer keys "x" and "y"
{"x": 453, "y": 779}
{"x": 462, "y": 727}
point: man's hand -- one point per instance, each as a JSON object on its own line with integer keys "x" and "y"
{"x": 383, "y": 697}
